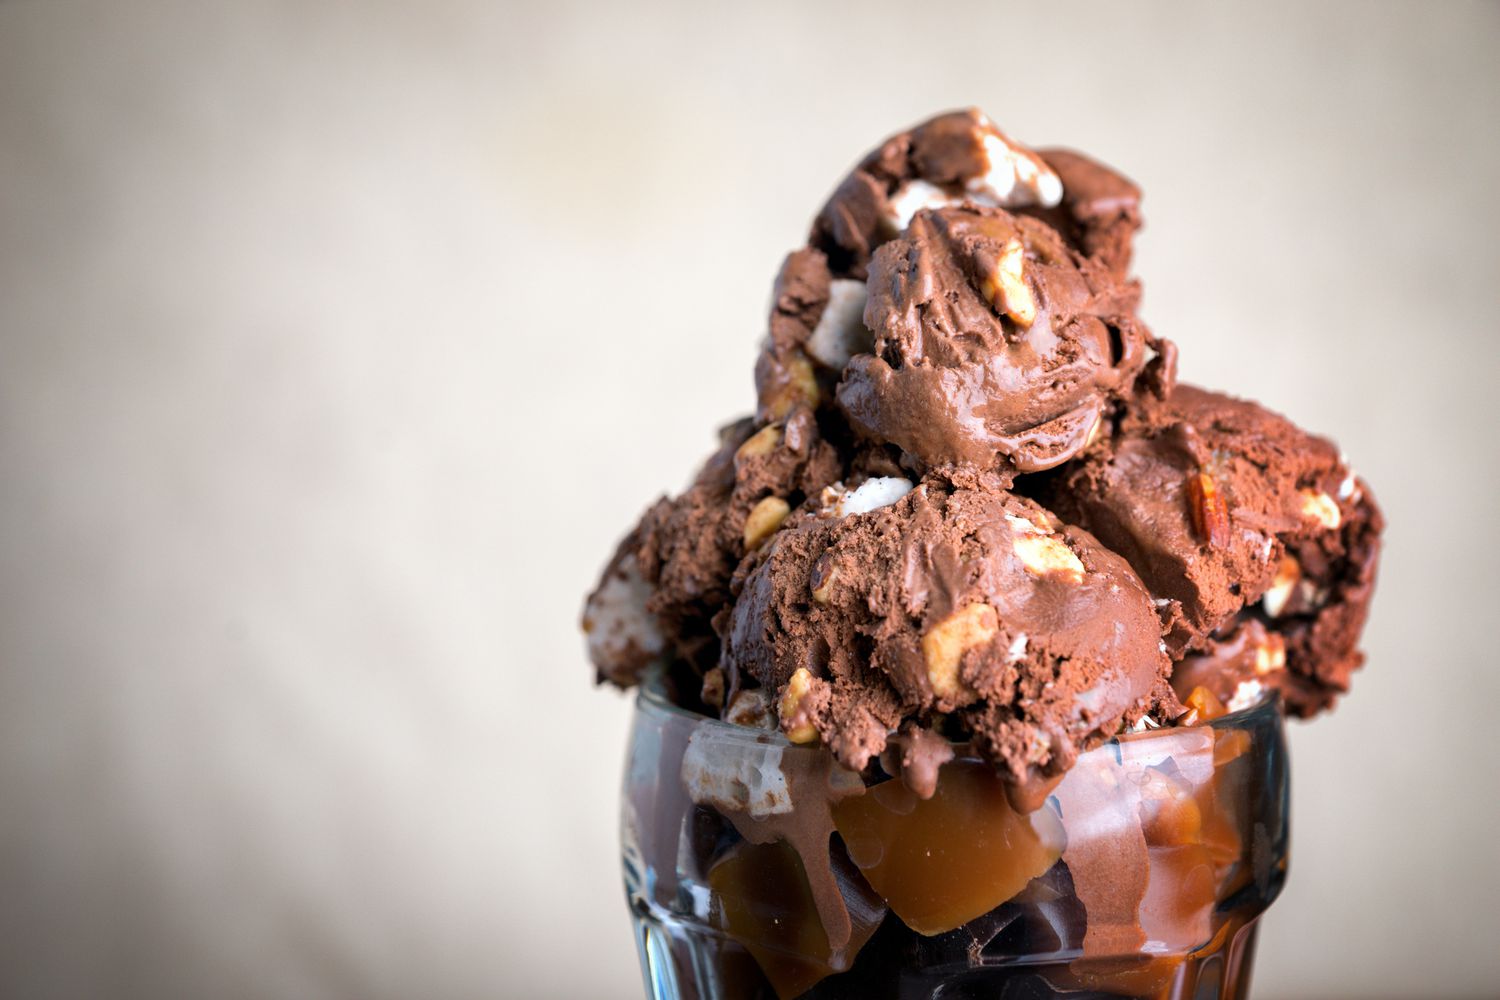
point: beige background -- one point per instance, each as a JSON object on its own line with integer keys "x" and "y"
{"x": 339, "y": 341}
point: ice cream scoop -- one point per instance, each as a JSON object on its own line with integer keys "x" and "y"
{"x": 1232, "y": 514}
{"x": 995, "y": 346}
{"x": 975, "y": 605}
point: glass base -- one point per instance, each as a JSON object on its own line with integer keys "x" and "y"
{"x": 684, "y": 962}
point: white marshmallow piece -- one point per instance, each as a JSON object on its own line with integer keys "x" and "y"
{"x": 1013, "y": 177}
{"x": 735, "y": 777}
{"x": 750, "y": 709}
{"x": 872, "y": 494}
{"x": 1247, "y": 694}
{"x": 1017, "y": 648}
{"x": 1016, "y": 177}
{"x": 841, "y": 333}
{"x": 911, "y": 198}
{"x": 618, "y": 625}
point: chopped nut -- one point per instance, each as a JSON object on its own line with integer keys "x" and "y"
{"x": 800, "y": 386}
{"x": 1039, "y": 747}
{"x": 1204, "y": 703}
{"x": 1210, "y": 513}
{"x": 794, "y": 721}
{"x": 749, "y": 708}
{"x": 1321, "y": 507}
{"x": 1274, "y": 600}
{"x": 1272, "y": 656}
{"x": 824, "y": 575}
{"x": 1095, "y": 432}
{"x": 1017, "y": 648}
{"x": 944, "y": 645}
{"x": 765, "y": 517}
{"x": 1006, "y": 287}
{"x": 713, "y": 687}
{"x": 1311, "y": 595}
{"x": 762, "y": 442}
{"x": 1047, "y": 554}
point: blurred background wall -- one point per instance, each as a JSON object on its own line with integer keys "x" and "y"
{"x": 339, "y": 342}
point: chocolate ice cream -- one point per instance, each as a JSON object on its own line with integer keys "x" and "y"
{"x": 996, "y": 347}
{"x": 974, "y": 606}
{"x": 1235, "y": 517}
{"x": 975, "y": 523}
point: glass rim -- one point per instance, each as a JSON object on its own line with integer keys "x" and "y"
{"x": 651, "y": 695}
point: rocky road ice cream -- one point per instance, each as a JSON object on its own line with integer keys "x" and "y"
{"x": 973, "y": 499}
{"x": 976, "y": 522}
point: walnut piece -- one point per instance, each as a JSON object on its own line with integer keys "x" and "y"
{"x": 944, "y": 646}
{"x": 794, "y": 721}
{"x": 1006, "y": 289}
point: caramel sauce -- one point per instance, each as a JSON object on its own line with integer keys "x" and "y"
{"x": 943, "y": 861}
{"x": 764, "y": 902}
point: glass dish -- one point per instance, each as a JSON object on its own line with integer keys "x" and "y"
{"x": 758, "y": 868}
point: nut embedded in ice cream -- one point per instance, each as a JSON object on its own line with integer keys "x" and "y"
{"x": 996, "y": 346}
{"x": 1228, "y": 510}
{"x": 671, "y": 575}
{"x": 944, "y": 646}
{"x": 970, "y": 602}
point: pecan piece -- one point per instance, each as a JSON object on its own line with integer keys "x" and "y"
{"x": 1210, "y": 513}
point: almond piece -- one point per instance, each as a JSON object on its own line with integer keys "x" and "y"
{"x": 800, "y": 386}
{"x": 765, "y": 517}
{"x": 713, "y": 687}
{"x": 1272, "y": 656}
{"x": 762, "y": 442}
{"x": 824, "y": 576}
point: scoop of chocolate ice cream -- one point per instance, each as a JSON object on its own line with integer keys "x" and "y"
{"x": 995, "y": 345}
{"x": 1229, "y": 511}
{"x": 977, "y": 605}
{"x": 963, "y": 157}
{"x": 1084, "y": 213}
{"x": 670, "y": 576}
